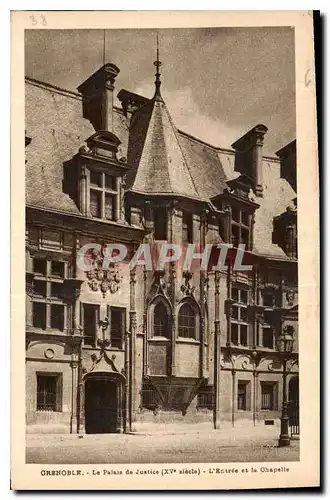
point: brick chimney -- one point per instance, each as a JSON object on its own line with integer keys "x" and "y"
{"x": 97, "y": 93}
{"x": 248, "y": 158}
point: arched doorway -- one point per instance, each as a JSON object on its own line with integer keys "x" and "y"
{"x": 294, "y": 390}
{"x": 294, "y": 406}
{"x": 102, "y": 404}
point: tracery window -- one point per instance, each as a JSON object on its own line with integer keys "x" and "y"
{"x": 187, "y": 322}
{"x": 161, "y": 321}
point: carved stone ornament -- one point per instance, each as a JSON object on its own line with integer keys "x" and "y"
{"x": 186, "y": 287}
{"x": 229, "y": 307}
{"x": 290, "y": 296}
{"x": 103, "y": 279}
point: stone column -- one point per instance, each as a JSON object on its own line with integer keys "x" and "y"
{"x": 216, "y": 355}
{"x": 145, "y": 325}
{"x": 133, "y": 329}
{"x": 255, "y": 396}
{"x": 81, "y": 398}
{"x": 74, "y": 396}
{"x": 83, "y": 191}
{"x": 173, "y": 319}
{"x": 118, "y": 199}
{"x": 28, "y": 298}
{"x": 126, "y": 411}
{"x": 233, "y": 399}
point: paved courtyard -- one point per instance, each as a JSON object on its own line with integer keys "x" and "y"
{"x": 171, "y": 447}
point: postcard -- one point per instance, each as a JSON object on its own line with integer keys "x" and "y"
{"x": 165, "y": 251}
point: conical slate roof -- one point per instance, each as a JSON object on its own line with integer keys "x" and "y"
{"x": 163, "y": 168}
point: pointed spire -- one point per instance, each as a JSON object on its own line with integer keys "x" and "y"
{"x": 158, "y": 83}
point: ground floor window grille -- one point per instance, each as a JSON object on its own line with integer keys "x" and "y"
{"x": 205, "y": 397}
{"x": 49, "y": 392}
{"x": 242, "y": 395}
{"x": 150, "y": 397}
{"x": 268, "y": 396}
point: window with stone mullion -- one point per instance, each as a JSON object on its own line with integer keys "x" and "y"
{"x": 103, "y": 195}
{"x": 239, "y": 319}
{"x": 47, "y": 305}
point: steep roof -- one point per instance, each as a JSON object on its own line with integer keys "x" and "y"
{"x": 55, "y": 124}
{"x": 163, "y": 168}
{"x": 164, "y": 160}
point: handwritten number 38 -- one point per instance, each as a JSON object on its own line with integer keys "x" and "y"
{"x": 34, "y": 20}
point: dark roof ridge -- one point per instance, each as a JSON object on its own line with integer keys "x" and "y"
{"x": 59, "y": 90}
{"x": 76, "y": 95}
{"x": 51, "y": 87}
{"x": 211, "y": 146}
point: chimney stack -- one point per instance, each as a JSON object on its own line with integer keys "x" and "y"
{"x": 97, "y": 93}
{"x": 248, "y": 158}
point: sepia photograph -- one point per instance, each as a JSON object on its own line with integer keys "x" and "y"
{"x": 161, "y": 250}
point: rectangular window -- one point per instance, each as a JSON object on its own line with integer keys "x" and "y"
{"x": 49, "y": 392}
{"x": 39, "y": 315}
{"x": 267, "y": 396}
{"x": 103, "y": 195}
{"x": 240, "y": 227}
{"x": 110, "y": 182}
{"x": 40, "y": 288}
{"x": 160, "y": 224}
{"x": 39, "y": 266}
{"x": 234, "y": 333}
{"x": 48, "y": 309}
{"x": 109, "y": 206}
{"x": 90, "y": 323}
{"x": 242, "y": 395}
{"x": 56, "y": 289}
{"x": 267, "y": 337}
{"x": 187, "y": 228}
{"x": 57, "y": 268}
{"x": 205, "y": 397}
{"x": 96, "y": 202}
{"x": 96, "y": 178}
{"x": 117, "y": 326}
{"x": 239, "y": 317}
{"x": 244, "y": 335}
{"x": 57, "y": 317}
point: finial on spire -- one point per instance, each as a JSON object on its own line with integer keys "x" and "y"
{"x": 158, "y": 64}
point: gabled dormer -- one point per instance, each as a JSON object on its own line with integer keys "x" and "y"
{"x": 236, "y": 226}
{"x": 93, "y": 178}
{"x": 285, "y": 230}
{"x": 287, "y": 156}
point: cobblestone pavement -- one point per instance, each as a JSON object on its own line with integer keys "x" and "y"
{"x": 212, "y": 446}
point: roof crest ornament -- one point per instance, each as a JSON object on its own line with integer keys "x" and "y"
{"x": 158, "y": 82}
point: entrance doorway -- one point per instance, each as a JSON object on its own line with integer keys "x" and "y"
{"x": 294, "y": 406}
{"x": 101, "y": 406}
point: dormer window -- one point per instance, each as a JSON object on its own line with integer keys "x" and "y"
{"x": 103, "y": 196}
{"x": 285, "y": 231}
{"x": 236, "y": 222}
{"x": 240, "y": 227}
{"x": 92, "y": 178}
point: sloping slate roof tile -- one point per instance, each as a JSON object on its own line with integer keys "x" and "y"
{"x": 55, "y": 124}
{"x": 205, "y": 167}
{"x": 162, "y": 167}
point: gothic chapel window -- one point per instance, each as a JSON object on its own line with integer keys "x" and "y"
{"x": 161, "y": 323}
{"x": 187, "y": 322}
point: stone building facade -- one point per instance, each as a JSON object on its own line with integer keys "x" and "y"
{"x": 108, "y": 350}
